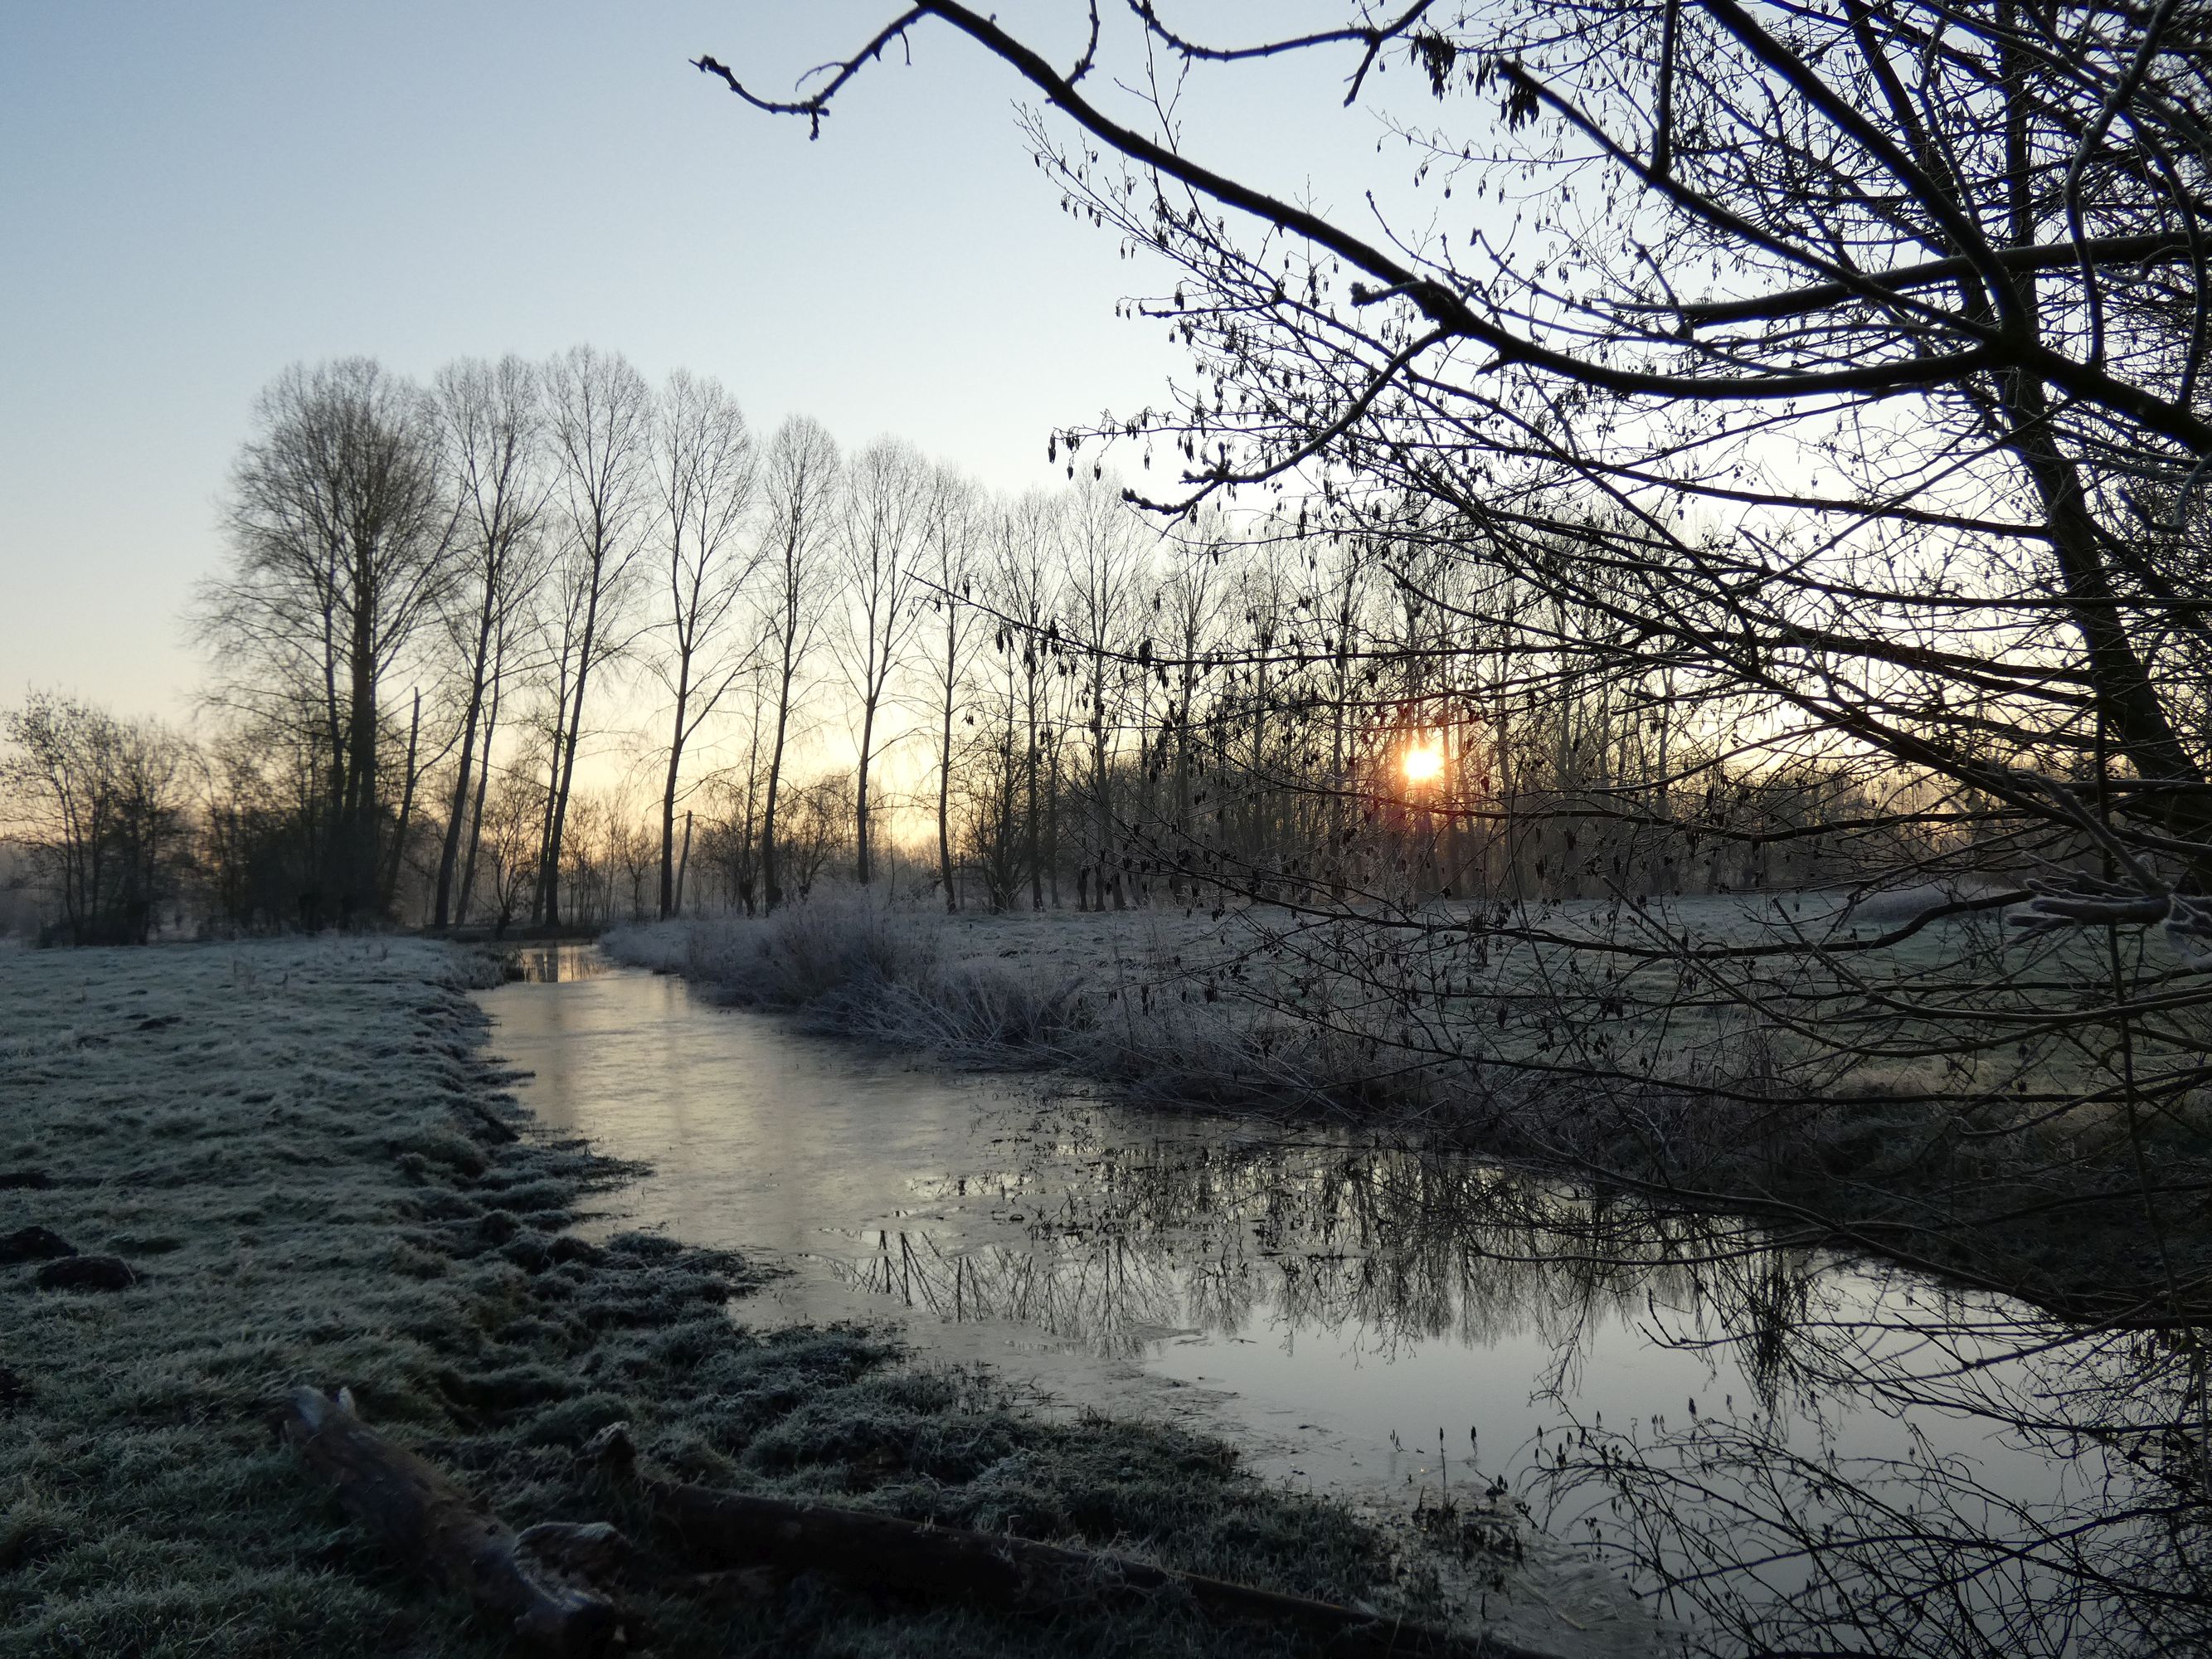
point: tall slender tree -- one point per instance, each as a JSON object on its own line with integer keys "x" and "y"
{"x": 491, "y": 427}
{"x": 600, "y": 412}
{"x": 1024, "y": 591}
{"x": 502, "y": 641}
{"x": 1102, "y": 542}
{"x": 706, "y": 475}
{"x": 958, "y": 512}
{"x": 802, "y": 481}
{"x": 883, "y": 528}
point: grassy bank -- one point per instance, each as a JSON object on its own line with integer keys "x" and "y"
{"x": 303, "y": 1158}
{"x": 2008, "y": 1162}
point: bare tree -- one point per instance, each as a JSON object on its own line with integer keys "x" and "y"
{"x": 599, "y": 418}
{"x": 513, "y": 811}
{"x": 1102, "y": 542}
{"x": 705, "y": 469}
{"x": 1024, "y": 591}
{"x": 1188, "y": 610}
{"x": 634, "y": 851}
{"x": 101, "y": 804}
{"x": 491, "y": 421}
{"x": 884, "y": 525}
{"x": 802, "y": 485}
{"x": 510, "y": 626}
{"x": 958, "y": 514}
{"x": 341, "y": 530}
{"x": 817, "y": 822}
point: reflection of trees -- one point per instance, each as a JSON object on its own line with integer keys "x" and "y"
{"x": 555, "y": 965}
{"x": 1114, "y": 1297}
{"x": 1883, "y": 1466}
{"x": 1400, "y": 1244}
{"x": 1768, "y": 1529}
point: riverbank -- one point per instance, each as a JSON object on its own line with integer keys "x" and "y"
{"x": 307, "y": 1171}
{"x": 2006, "y": 1164}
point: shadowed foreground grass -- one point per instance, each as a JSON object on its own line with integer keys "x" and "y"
{"x": 301, "y": 1152}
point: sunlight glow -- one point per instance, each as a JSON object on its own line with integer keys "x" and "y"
{"x": 1424, "y": 765}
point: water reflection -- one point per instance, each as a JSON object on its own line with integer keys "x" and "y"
{"x": 1206, "y": 1231}
{"x": 555, "y": 963}
{"x": 1791, "y": 1453}
{"x": 2075, "y": 1525}
{"x": 1877, "y": 1465}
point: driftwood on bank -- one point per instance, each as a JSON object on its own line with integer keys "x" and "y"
{"x": 865, "y": 1546}
{"x": 451, "y": 1535}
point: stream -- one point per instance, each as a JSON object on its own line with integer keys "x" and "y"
{"x": 1630, "y": 1428}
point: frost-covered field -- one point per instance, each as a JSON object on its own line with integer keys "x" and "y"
{"x": 305, "y": 1163}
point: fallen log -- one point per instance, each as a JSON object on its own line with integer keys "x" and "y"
{"x": 420, "y": 1514}
{"x": 888, "y": 1551}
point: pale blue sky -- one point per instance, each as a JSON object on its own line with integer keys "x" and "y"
{"x": 196, "y": 196}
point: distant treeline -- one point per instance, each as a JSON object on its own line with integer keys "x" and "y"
{"x": 439, "y": 597}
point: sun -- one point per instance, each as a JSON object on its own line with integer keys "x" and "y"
{"x": 1422, "y": 765}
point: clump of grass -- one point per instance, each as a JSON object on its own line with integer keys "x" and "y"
{"x": 834, "y": 949}
{"x": 344, "y": 1212}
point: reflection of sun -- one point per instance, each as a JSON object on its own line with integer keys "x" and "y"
{"x": 1422, "y": 765}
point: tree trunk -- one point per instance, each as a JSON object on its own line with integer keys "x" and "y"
{"x": 747, "y": 875}
{"x": 476, "y": 809}
{"x": 1051, "y": 745}
{"x": 861, "y": 792}
{"x": 1340, "y": 794}
{"x": 2127, "y": 698}
{"x": 771, "y": 887}
{"x": 449, "y": 854}
{"x": 389, "y": 892}
{"x": 1036, "y": 863}
{"x": 945, "y": 788}
{"x": 668, "y": 791}
{"x": 1100, "y": 804}
{"x": 548, "y": 869}
{"x": 334, "y": 804}
{"x": 358, "y": 862}
{"x": 552, "y": 786}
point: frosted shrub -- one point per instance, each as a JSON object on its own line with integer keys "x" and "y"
{"x": 832, "y": 948}
{"x": 983, "y": 1010}
{"x": 839, "y": 948}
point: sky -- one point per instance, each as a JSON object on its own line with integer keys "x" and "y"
{"x": 197, "y": 196}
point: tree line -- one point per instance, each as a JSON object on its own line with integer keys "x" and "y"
{"x": 438, "y": 597}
